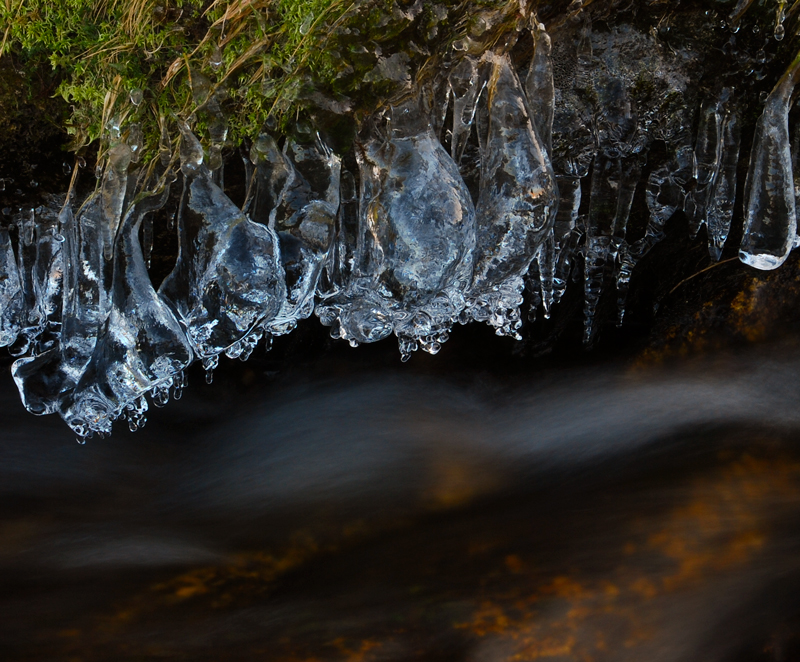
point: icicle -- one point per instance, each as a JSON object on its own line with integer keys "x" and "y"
{"x": 613, "y": 185}
{"x": 141, "y": 345}
{"x": 32, "y": 319}
{"x": 161, "y": 392}
{"x": 466, "y": 85}
{"x": 706, "y": 163}
{"x": 346, "y": 243}
{"x": 546, "y": 258}
{"x": 228, "y": 277}
{"x": 770, "y": 223}
{"x": 516, "y": 205}
{"x": 720, "y": 206}
{"x": 415, "y": 240}
{"x": 48, "y": 274}
{"x": 147, "y": 239}
{"x": 305, "y": 219}
{"x": 569, "y": 189}
{"x": 11, "y": 297}
{"x": 572, "y": 150}
{"x": 43, "y": 378}
{"x": 539, "y": 86}
{"x": 716, "y": 154}
{"x": 664, "y": 193}
{"x": 112, "y": 193}
{"x": 210, "y": 364}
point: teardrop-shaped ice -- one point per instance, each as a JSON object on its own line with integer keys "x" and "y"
{"x": 228, "y": 277}
{"x": 11, "y": 299}
{"x": 769, "y": 208}
{"x": 517, "y": 203}
{"x": 141, "y": 345}
{"x": 416, "y": 235}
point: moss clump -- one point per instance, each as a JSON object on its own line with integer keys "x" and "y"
{"x": 232, "y": 66}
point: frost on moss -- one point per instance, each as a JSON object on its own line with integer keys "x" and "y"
{"x": 289, "y": 64}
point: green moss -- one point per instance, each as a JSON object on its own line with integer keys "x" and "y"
{"x": 284, "y": 63}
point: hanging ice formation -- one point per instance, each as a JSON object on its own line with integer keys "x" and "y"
{"x": 415, "y": 238}
{"x": 495, "y": 172}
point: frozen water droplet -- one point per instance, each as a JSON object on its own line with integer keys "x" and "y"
{"x": 215, "y": 59}
{"x": 136, "y": 96}
{"x": 201, "y": 87}
{"x": 306, "y": 24}
{"x": 135, "y": 142}
{"x": 191, "y": 151}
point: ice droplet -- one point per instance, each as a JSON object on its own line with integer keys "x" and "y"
{"x": 215, "y": 59}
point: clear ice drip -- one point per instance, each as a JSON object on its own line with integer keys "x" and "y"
{"x": 664, "y": 193}
{"x": 12, "y": 304}
{"x": 430, "y": 230}
{"x": 719, "y": 212}
{"x": 540, "y": 90}
{"x": 466, "y": 85}
{"x": 305, "y": 219}
{"x": 770, "y": 220}
{"x": 416, "y": 236}
{"x": 228, "y": 278}
{"x": 615, "y": 174}
{"x": 573, "y": 148}
{"x": 516, "y": 204}
{"x": 140, "y": 346}
{"x": 716, "y": 155}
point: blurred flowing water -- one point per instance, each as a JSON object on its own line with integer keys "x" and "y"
{"x": 592, "y": 513}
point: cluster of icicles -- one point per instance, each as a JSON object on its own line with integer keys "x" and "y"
{"x": 400, "y": 249}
